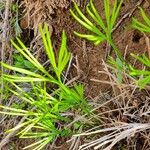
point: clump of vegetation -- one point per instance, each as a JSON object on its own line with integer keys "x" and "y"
{"x": 144, "y": 75}
{"x": 104, "y": 32}
{"x": 46, "y": 114}
{"x": 122, "y": 70}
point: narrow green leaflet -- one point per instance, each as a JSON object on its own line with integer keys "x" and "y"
{"x": 141, "y": 26}
{"x": 143, "y": 75}
{"x": 63, "y": 57}
{"x": 48, "y": 44}
{"x": 43, "y": 105}
{"x": 102, "y": 29}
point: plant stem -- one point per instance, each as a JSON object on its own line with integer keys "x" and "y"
{"x": 115, "y": 48}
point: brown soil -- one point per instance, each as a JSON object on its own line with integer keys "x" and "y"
{"x": 89, "y": 56}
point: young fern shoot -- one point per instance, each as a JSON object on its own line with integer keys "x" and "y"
{"x": 105, "y": 27}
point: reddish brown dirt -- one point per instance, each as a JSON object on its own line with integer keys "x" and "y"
{"x": 90, "y": 56}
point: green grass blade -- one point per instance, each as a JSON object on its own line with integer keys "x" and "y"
{"x": 138, "y": 25}
{"x": 115, "y": 12}
{"x": 13, "y": 109}
{"x": 47, "y": 44}
{"x": 142, "y": 59}
{"x": 34, "y": 144}
{"x": 64, "y": 63}
{"x": 89, "y": 37}
{"x": 97, "y": 16}
{"x": 143, "y": 82}
{"x": 13, "y": 113}
{"x": 22, "y": 97}
{"x": 139, "y": 72}
{"x": 38, "y": 77}
{"x": 19, "y": 126}
{"x": 146, "y": 19}
{"x": 43, "y": 144}
{"x": 64, "y": 55}
{"x": 98, "y": 42}
{"x": 13, "y": 78}
{"x": 35, "y": 135}
{"x": 51, "y": 51}
{"x": 87, "y": 26}
{"x": 107, "y": 14}
{"x": 63, "y": 49}
{"x": 82, "y": 15}
{"x": 38, "y": 144}
{"x": 20, "y": 70}
{"x": 28, "y": 128}
{"x": 146, "y": 60}
{"x": 23, "y": 53}
{"x": 37, "y": 64}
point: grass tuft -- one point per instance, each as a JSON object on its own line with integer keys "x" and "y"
{"x": 101, "y": 30}
{"x": 45, "y": 113}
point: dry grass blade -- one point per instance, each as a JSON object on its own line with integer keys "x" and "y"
{"x": 117, "y": 134}
{"x": 6, "y": 139}
{"x": 131, "y": 122}
{"x": 40, "y": 11}
{"x": 44, "y": 9}
{"x": 4, "y": 40}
